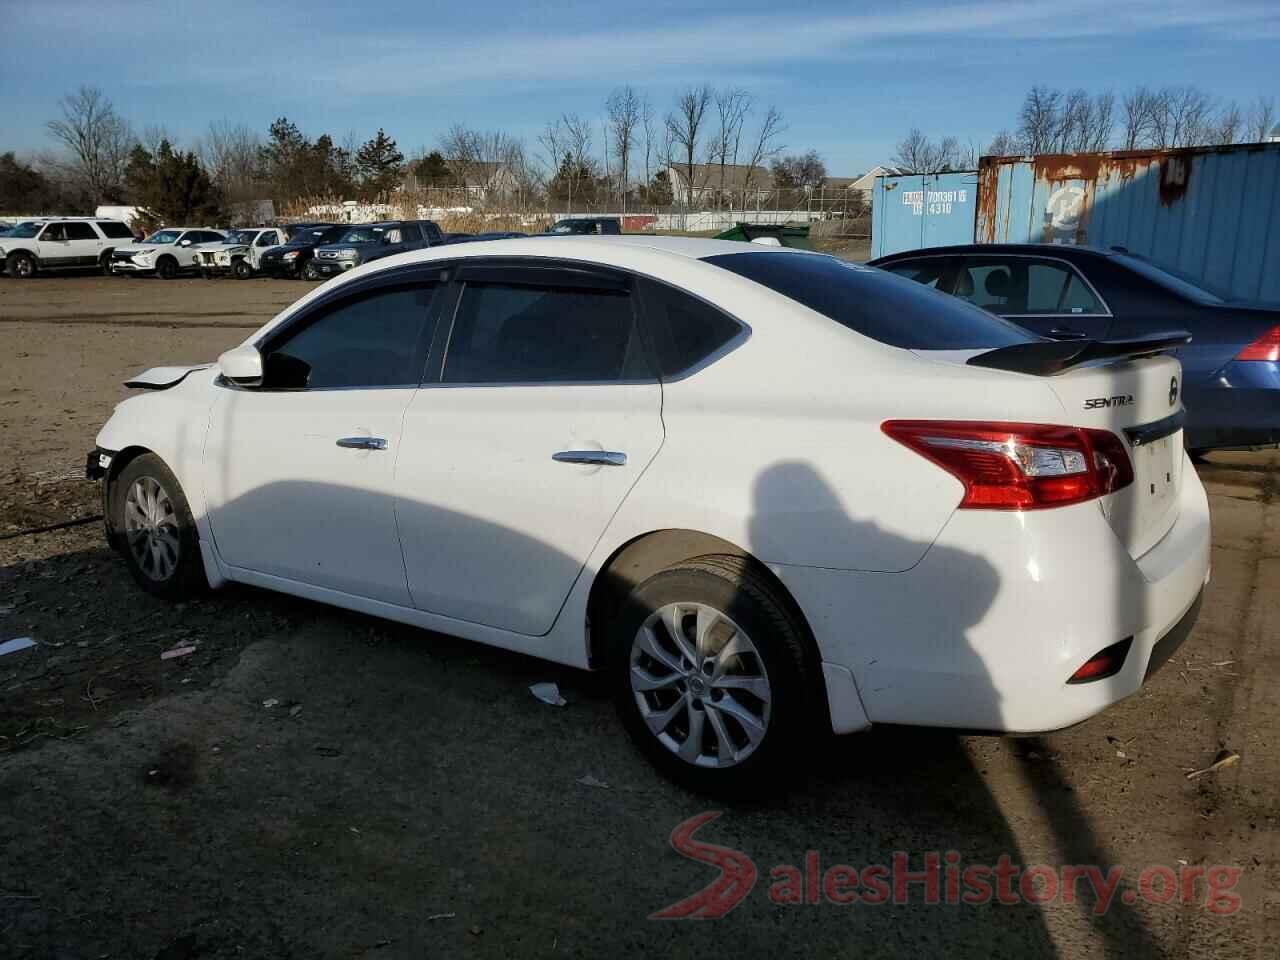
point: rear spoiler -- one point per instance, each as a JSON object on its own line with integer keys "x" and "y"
{"x": 1044, "y": 357}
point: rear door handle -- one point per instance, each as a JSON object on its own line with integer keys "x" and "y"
{"x": 608, "y": 458}
{"x": 363, "y": 443}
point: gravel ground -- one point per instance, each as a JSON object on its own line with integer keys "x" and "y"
{"x": 309, "y": 782}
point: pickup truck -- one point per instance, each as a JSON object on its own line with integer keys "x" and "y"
{"x": 240, "y": 254}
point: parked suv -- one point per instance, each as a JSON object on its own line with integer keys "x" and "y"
{"x": 165, "y": 253}
{"x": 239, "y": 254}
{"x": 373, "y": 241}
{"x": 61, "y": 243}
{"x": 296, "y": 257}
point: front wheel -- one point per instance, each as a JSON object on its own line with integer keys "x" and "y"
{"x": 22, "y": 266}
{"x": 155, "y": 530}
{"x": 309, "y": 271}
{"x": 166, "y": 268}
{"x": 242, "y": 270}
{"x": 711, "y": 676}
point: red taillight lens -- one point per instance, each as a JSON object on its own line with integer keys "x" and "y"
{"x": 1019, "y": 466}
{"x": 1107, "y": 662}
{"x": 1266, "y": 347}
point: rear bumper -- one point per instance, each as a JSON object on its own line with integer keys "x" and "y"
{"x": 985, "y": 630}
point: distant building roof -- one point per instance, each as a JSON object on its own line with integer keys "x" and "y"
{"x": 1275, "y": 133}
{"x": 737, "y": 176}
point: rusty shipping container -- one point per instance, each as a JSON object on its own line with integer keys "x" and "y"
{"x": 1211, "y": 214}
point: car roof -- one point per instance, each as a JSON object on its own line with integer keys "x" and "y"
{"x": 1062, "y": 251}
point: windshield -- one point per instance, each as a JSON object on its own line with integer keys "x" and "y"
{"x": 164, "y": 236}
{"x": 1182, "y": 286}
{"x": 874, "y": 303}
{"x": 316, "y": 235}
{"x": 25, "y": 231}
{"x": 363, "y": 234}
{"x": 240, "y": 236}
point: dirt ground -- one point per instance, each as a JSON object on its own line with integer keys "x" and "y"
{"x": 313, "y": 783}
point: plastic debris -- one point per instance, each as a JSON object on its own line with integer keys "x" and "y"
{"x": 15, "y": 645}
{"x": 548, "y": 693}
{"x": 441, "y": 916}
{"x": 590, "y": 781}
{"x": 1225, "y": 758}
{"x": 182, "y": 651}
{"x": 273, "y": 702}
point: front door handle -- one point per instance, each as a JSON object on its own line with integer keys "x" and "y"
{"x": 608, "y": 458}
{"x": 1066, "y": 333}
{"x": 363, "y": 443}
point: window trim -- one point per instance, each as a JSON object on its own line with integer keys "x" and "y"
{"x": 538, "y": 272}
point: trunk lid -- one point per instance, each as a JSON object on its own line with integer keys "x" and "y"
{"x": 1141, "y": 402}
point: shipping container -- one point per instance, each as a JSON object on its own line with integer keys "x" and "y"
{"x": 1211, "y": 214}
{"x": 922, "y": 210}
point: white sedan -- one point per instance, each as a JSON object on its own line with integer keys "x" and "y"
{"x": 768, "y": 492}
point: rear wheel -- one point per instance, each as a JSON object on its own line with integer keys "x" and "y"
{"x": 22, "y": 266}
{"x": 157, "y": 535}
{"x": 166, "y": 268}
{"x": 711, "y": 677}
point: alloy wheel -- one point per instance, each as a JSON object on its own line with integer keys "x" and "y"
{"x": 700, "y": 685}
{"x": 151, "y": 529}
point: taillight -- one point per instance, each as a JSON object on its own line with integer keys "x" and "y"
{"x": 1107, "y": 662}
{"x": 1266, "y": 347}
{"x": 1019, "y": 466}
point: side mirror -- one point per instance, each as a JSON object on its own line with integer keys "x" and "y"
{"x": 184, "y": 243}
{"x": 242, "y": 365}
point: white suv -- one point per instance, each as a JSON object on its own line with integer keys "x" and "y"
{"x": 165, "y": 253}
{"x": 61, "y": 243}
{"x": 239, "y": 253}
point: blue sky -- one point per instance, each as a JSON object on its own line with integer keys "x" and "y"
{"x": 850, "y": 78}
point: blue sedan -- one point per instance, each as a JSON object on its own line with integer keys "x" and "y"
{"x": 1231, "y": 368}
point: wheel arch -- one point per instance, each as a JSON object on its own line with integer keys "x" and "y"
{"x": 649, "y": 553}
{"x": 119, "y": 460}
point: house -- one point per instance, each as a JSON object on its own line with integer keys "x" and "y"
{"x": 482, "y": 179}
{"x": 732, "y": 183}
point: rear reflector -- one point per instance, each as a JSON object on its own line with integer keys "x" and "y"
{"x": 1105, "y": 663}
{"x": 1019, "y": 466}
{"x": 1266, "y": 347}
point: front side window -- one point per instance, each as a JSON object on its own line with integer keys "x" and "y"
{"x": 268, "y": 239}
{"x": 79, "y": 230}
{"x": 1013, "y": 286}
{"x": 373, "y": 339}
{"x": 164, "y": 236}
{"x": 514, "y": 333}
{"x": 55, "y": 232}
{"x": 928, "y": 271}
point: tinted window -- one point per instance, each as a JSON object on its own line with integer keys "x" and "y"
{"x": 874, "y": 303}
{"x": 375, "y": 339}
{"x": 928, "y": 272}
{"x": 1182, "y": 286}
{"x": 1023, "y": 285}
{"x": 508, "y": 333}
{"x": 55, "y": 231}
{"x": 80, "y": 230}
{"x": 432, "y": 232}
{"x": 685, "y": 329}
{"x": 114, "y": 229}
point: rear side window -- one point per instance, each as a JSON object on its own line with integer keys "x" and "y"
{"x": 370, "y": 340}
{"x": 515, "y": 333}
{"x": 875, "y": 303}
{"x": 686, "y": 330}
{"x": 114, "y": 229}
{"x": 79, "y": 230}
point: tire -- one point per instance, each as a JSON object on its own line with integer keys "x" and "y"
{"x": 740, "y": 604}
{"x": 309, "y": 272}
{"x": 22, "y": 266}
{"x": 104, "y": 263}
{"x": 242, "y": 270}
{"x": 154, "y": 530}
{"x": 166, "y": 268}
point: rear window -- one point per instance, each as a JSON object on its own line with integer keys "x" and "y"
{"x": 874, "y": 303}
{"x": 115, "y": 230}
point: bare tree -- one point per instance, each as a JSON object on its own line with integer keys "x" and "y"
{"x": 625, "y": 115}
{"x": 1181, "y": 117}
{"x": 98, "y": 141}
{"x": 1262, "y": 117}
{"x": 1228, "y": 125}
{"x": 230, "y": 154}
{"x": 917, "y": 153}
{"x": 484, "y": 161}
{"x": 566, "y": 143}
{"x": 765, "y": 144}
{"x": 732, "y": 106}
{"x": 685, "y": 126}
{"x": 1084, "y": 122}
{"x": 647, "y": 126}
{"x": 1003, "y": 144}
{"x": 1139, "y": 107}
{"x": 1039, "y": 124}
